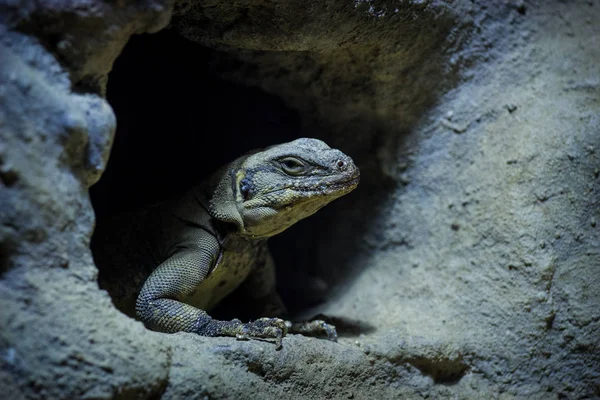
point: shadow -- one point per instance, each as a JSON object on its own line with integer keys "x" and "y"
{"x": 442, "y": 370}
{"x": 6, "y": 249}
{"x": 347, "y": 327}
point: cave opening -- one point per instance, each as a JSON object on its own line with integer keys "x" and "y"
{"x": 177, "y": 122}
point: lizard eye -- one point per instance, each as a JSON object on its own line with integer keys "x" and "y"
{"x": 292, "y": 166}
{"x": 246, "y": 188}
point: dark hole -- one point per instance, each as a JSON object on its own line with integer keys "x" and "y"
{"x": 176, "y": 123}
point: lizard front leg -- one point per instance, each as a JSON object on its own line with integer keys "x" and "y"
{"x": 159, "y": 307}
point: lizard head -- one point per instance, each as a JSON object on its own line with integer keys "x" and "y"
{"x": 276, "y": 187}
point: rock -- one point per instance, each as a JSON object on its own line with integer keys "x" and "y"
{"x": 61, "y": 338}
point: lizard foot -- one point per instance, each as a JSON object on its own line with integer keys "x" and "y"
{"x": 264, "y": 328}
{"x": 315, "y": 327}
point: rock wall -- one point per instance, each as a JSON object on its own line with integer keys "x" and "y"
{"x": 466, "y": 264}
{"x": 61, "y": 338}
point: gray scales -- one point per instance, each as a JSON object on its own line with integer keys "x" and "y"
{"x": 181, "y": 257}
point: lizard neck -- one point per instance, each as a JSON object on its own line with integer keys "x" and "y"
{"x": 222, "y": 195}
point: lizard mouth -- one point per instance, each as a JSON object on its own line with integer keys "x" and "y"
{"x": 349, "y": 183}
{"x": 323, "y": 188}
{"x": 315, "y": 190}
{"x": 342, "y": 187}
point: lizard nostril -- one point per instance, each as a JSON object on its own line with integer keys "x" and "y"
{"x": 341, "y": 164}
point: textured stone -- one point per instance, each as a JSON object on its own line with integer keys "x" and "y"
{"x": 61, "y": 338}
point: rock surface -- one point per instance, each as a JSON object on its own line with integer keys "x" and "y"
{"x": 466, "y": 264}
{"x": 60, "y": 336}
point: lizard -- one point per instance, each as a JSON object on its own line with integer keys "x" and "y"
{"x": 211, "y": 240}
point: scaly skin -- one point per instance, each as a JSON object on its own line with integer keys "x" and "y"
{"x": 213, "y": 239}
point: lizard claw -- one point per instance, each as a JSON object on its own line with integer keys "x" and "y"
{"x": 242, "y": 334}
{"x": 329, "y": 330}
{"x": 264, "y": 328}
{"x": 315, "y": 327}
